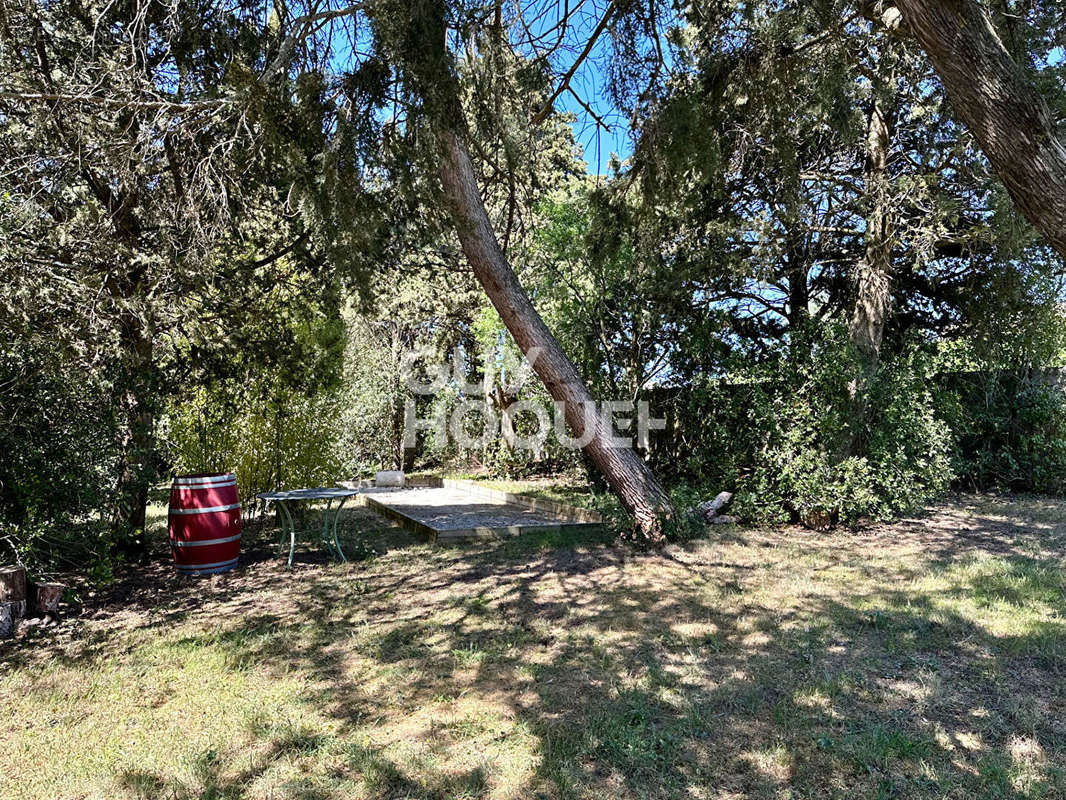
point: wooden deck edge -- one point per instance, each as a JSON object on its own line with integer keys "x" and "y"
{"x": 471, "y": 534}
{"x": 417, "y": 482}
{"x": 410, "y": 523}
{"x": 488, "y": 533}
{"x": 572, "y": 518}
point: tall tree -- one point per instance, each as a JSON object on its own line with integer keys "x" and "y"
{"x": 404, "y": 66}
{"x": 992, "y": 94}
{"x": 88, "y": 132}
{"x": 805, "y": 164}
{"x": 422, "y": 48}
{"x": 122, "y": 146}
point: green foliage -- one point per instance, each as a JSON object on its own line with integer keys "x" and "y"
{"x": 1002, "y": 389}
{"x": 180, "y": 230}
{"x": 805, "y": 464}
{"x": 280, "y": 439}
{"x": 58, "y": 424}
{"x": 371, "y": 408}
{"x": 1011, "y": 428}
{"x": 622, "y": 310}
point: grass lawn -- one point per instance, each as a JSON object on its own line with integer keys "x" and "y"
{"x": 926, "y": 658}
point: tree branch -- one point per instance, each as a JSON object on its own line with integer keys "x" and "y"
{"x": 564, "y": 84}
{"x": 110, "y": 102}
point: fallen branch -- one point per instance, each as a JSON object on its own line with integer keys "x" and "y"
{"x": 710, "y": 509}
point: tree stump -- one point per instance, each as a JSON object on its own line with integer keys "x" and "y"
{"x": 48, "y": 597}
{"x": 12, "y": 599}
{"x": 12, "y": 584}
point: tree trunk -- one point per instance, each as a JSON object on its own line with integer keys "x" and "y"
{"x": 799, "y": 299}
{"x": 873, "y": 300}
{"x": 136, "y": 439}
{"x": 398, "y": 454}
{"x": 626, "y": 473}
{"x": 993, "y": 96}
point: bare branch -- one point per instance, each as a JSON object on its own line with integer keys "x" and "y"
{"x": 302, "y": 27}
{"x": 564, "y": 84}
{"x": 111, "y": 102}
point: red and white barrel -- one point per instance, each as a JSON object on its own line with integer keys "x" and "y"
{"x": 205, "y": 523}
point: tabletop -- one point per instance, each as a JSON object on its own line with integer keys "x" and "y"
{"x": 321, "y": 493}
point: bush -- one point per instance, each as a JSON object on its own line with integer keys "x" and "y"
{"x": 268, "y": 439}
{"x": 372, "y": 400}
{"x": 1011, "y": 427}
{"x": 820, "y": 457}
{"x": 58, "y": 469}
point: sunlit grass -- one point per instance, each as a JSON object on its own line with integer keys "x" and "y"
{"x": 919, "y": 660}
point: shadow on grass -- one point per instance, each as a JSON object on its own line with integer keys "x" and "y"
{"x": 211, "y": 779}
{"x": 887, "y": 693}
{"x": 674, "y": 674}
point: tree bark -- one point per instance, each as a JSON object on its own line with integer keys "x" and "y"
{"x": 799, "y": 298}
{"x": 994, "y": 97}
{"x": 12, "y": 584}
{"x": 12, "y": 598}
{"x": 48, "y": 597}
{"x": 626, "y": 473}
{"x": 873, "y": 301}
{"x": 873, "y": 297}
{"x": 136, "y": 439}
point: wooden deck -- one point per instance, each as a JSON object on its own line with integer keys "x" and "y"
{"x": 458, "y": 512}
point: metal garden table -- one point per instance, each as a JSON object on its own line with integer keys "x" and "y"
{"x": 285, "y": 501}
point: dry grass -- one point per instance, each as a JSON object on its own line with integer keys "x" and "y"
{"x": 920, "y": 659}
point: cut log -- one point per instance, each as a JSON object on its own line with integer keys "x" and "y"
{"x": 9, "y": 616}
{"x": 48, "y": 597}
{"x": 12, "y": 584}
{"x": 389, "y": 477}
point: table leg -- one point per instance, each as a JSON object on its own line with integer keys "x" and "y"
{"x": 336, "y": 541}
{"x": 325, "y": 527}
{"x": 292, "y": 530}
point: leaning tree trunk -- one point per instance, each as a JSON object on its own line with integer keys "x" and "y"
{"x": 993, "y": 96}
{"x": 626, "y": 473}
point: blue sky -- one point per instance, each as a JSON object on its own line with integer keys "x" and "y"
{"x": 597, "y": 143}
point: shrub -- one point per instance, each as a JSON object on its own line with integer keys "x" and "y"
{"x": 284, "y": 439}
{"x": 820, "y": 457}
{"x": 58, "y": 468}
{"x": 1011, "y": 427}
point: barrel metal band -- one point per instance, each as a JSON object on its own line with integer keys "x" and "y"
{"x": 230, "y": 507}
{"x": 199, "y": 567}
{"x": 221, "y": 480}
{"x": 203, "y": 542}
